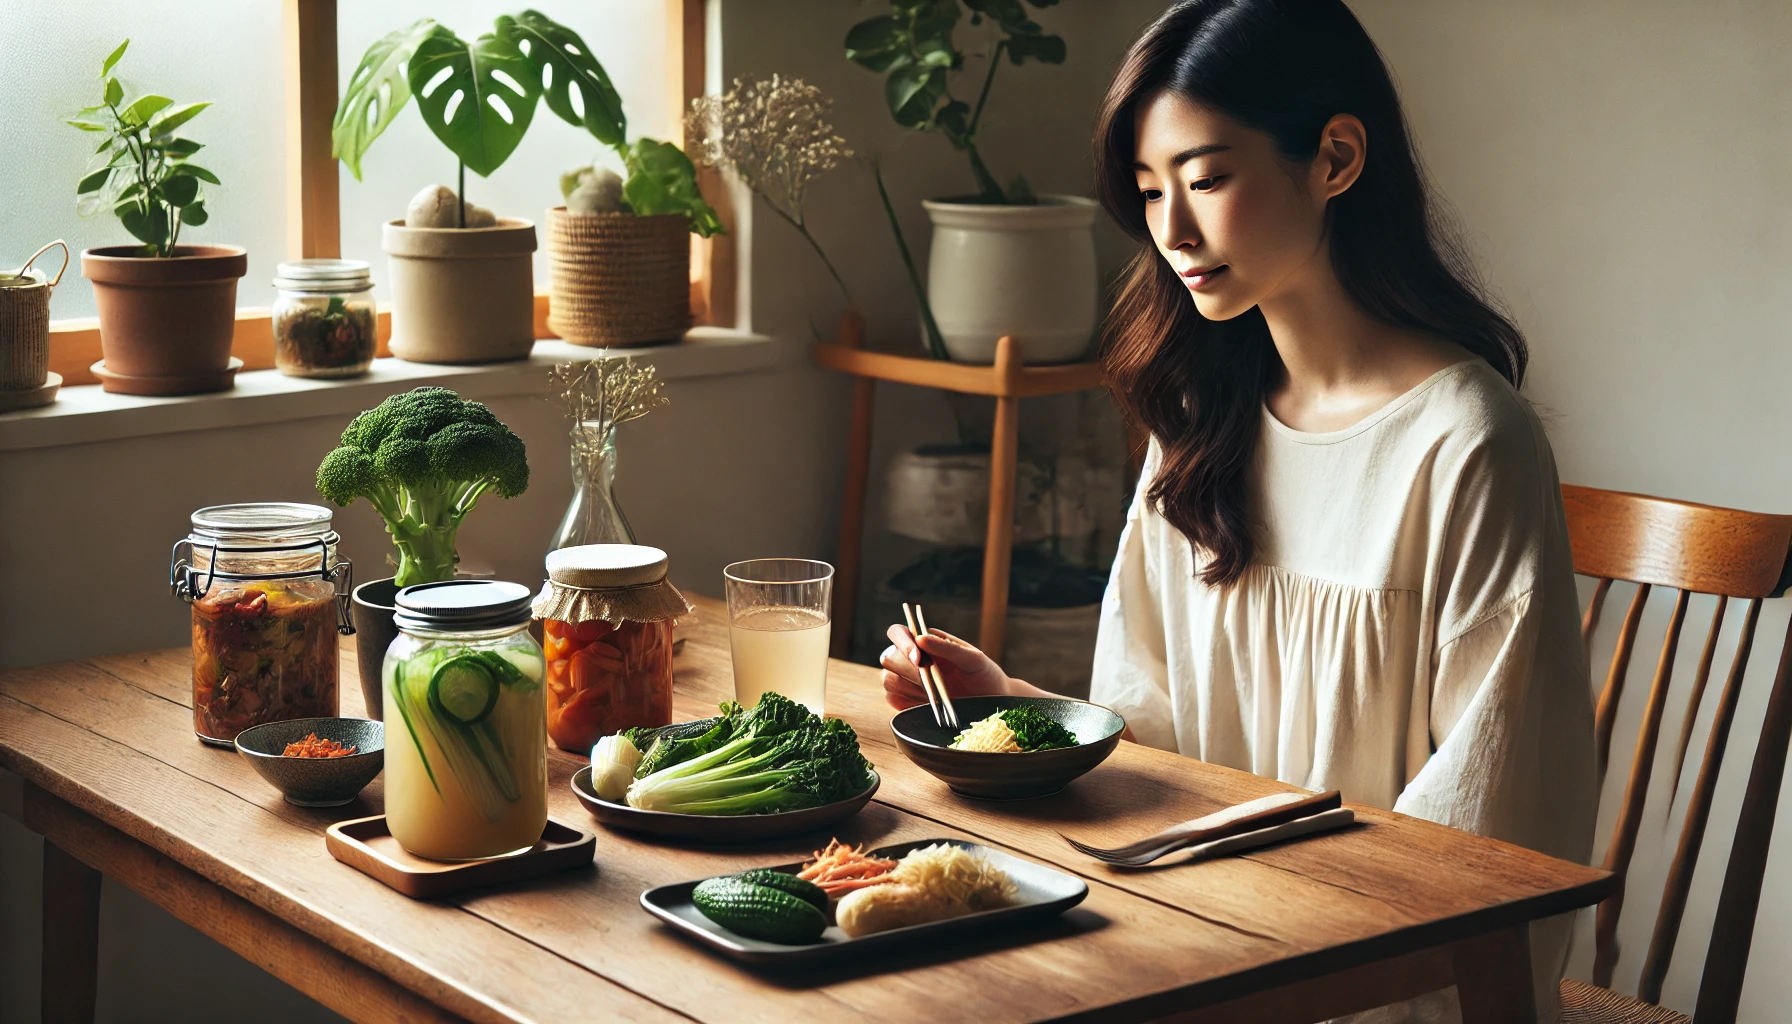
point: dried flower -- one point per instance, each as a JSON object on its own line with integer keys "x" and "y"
{"x": 774, "y": 134}
{"x": 603, "y": 394}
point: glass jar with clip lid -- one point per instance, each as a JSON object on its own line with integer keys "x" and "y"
{"x": 269, "y": 598}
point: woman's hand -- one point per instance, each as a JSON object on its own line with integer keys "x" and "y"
{"x": 964, "y": 669}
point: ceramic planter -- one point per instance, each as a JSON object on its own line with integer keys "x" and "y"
{"x": 372, "y": 608}
{"x": 166, "y": 324}
{"x": 461, "y": 295}
{"x": 940, "y": 494}
{"x": 1025, "y": 271}
{"x": 618, "y": 279}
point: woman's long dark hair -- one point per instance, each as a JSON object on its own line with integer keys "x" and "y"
{"x": 1283, "y": 67}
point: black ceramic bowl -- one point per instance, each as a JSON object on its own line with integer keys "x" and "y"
{"x": 1008, "y": 776}
{"x": 316, "y": 781}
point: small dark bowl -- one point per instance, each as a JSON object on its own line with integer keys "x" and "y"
{"x": 1008, "y": 776}
{"x": 316, "y": 781}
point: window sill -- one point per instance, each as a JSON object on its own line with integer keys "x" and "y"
{"x": 87, "y": 414}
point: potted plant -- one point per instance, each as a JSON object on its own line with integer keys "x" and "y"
{"x": 1004, "y": 261}
{"x": 463, "y": 289}
{"x": 422, "y": 459}
{"x": 619, "y": 250}
{"x": 167, "y": 311}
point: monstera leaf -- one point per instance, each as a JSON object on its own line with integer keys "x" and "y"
{"x": 376, "y": 92}
{"x": 478, "y": 98}
{"x": 662, "y": 180}
{"x": 563, "y": 65}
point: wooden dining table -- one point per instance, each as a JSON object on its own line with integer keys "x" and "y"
{"x": 109, "y": 772}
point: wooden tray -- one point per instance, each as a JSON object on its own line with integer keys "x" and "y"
{"x": 367, "y": 845}
{"x": 1040, "y": 892}
{"x": 718, "y": 828}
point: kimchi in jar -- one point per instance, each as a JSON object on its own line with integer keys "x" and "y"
{"x": 608, "y": 611}
{"x": 267, "y": 594}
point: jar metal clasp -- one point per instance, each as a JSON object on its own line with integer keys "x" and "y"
{"x": 184, "y": 577}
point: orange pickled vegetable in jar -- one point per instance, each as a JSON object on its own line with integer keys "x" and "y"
{"x": 608, "y": 611}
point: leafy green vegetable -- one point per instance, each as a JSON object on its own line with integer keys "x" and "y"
{"x": 1033, "y": 730}
{"x": 778, "y": 756}
{"x": 422, "y": 459}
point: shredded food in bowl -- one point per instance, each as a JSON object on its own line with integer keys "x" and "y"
{"x": 989, "y": 736}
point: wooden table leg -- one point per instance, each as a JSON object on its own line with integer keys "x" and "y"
{"x": 1004, "y": 458}
{"x": 1493, "y": 977}
{"x": 852, "y": 507}
{"x": 71, "y": 938}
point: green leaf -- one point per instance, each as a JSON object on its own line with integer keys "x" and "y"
{"x": 482, "y": 106}
{"x": 140, "y": 111}
{"x": 94, "y": 182}
{"x": 194, "y": 214}
{"x": 912, "y": 92}
{"x": 182, "y": 147}
{"x": 1045, "y": 49}
{"x": 114, "y": 92}
{"x": 193, "y": 170}
{"x": 558, "y": 57}
{"x": 376, "y": 92}
{"x": 87, "y": 125}
{"x": 172, "y": 119}
{"x": 151, "y": 228}
{"x": 662, "y": 180}
{"x": 180, "y": 189}
{"x": 874, "y": 41}
{"x": 112, "y": 60}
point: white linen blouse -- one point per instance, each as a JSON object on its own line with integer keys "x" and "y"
{"x": 1407, "y": 633}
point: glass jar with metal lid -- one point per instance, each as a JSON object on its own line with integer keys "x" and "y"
{"x": 269, "y": 597}
{"x": 466, "y": 755}
{"x": 325, "y": 324}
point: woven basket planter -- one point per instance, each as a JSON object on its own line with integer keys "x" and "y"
{"x": 25, "y": 324}
{"x": 616, "y": 279}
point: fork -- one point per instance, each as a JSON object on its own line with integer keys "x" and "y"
{"x": 1268, "y": 812}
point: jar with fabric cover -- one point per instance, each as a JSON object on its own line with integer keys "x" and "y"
{"x": 269, "y": 598}
{"x": 466, "y": 750}
{"x": 609, "y": 611}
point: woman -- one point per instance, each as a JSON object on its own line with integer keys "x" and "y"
{"x": 1346, "y": 565}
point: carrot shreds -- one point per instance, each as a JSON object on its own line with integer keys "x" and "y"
{"x": 842, "y": 867}
{"x": 311, "y": 746}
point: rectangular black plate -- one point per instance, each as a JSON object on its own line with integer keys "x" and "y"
{"x": 1040, "y": 892}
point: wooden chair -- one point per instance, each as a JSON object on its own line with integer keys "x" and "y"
{"x": 1656, "y": 542}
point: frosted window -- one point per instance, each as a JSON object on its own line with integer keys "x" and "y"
{"x": 225, "y": 51}
{"x": 628, "y": 36}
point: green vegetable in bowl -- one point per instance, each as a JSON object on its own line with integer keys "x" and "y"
{"x": 1017, "y": 730}
{"x": 778, "y": 756}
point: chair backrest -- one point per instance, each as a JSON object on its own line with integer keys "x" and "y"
{"x": 1657, "y": 542}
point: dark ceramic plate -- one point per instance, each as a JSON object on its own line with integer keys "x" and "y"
{"x": 1040, "y": 892}
{"x": 316, "y": 781}
{"x": 1008, "y": 776}
{"x": 716, "y": 827}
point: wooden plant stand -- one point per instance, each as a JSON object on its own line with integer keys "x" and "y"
{"x": 1008, "y": 382}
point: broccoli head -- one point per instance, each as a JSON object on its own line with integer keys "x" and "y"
{"x": 423, "y": 459}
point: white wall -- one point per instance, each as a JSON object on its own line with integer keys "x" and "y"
{"x": 1621, "y": 168}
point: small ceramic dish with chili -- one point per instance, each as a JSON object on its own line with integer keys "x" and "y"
{"x": 316, "y": 762}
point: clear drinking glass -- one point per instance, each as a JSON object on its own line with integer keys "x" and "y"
{"x": 778, "y": 615}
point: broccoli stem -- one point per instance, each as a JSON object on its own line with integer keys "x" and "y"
{"x": 425, "y": 551}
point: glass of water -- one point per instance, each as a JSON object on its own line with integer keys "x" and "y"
{"x": 778, "y": 614}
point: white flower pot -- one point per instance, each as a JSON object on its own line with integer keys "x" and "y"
{"x": 1024, "y": 271}
{"x": 462, "y": 295}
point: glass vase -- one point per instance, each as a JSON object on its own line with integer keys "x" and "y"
{"x": 594, "y": 517}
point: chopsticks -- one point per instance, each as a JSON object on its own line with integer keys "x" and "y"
{"x": 944, "y": 715}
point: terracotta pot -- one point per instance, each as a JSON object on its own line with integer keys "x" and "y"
{"x": 462, "y": 295}
{"x": 165, "y": 324}
{"x": 372, "y": 608}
